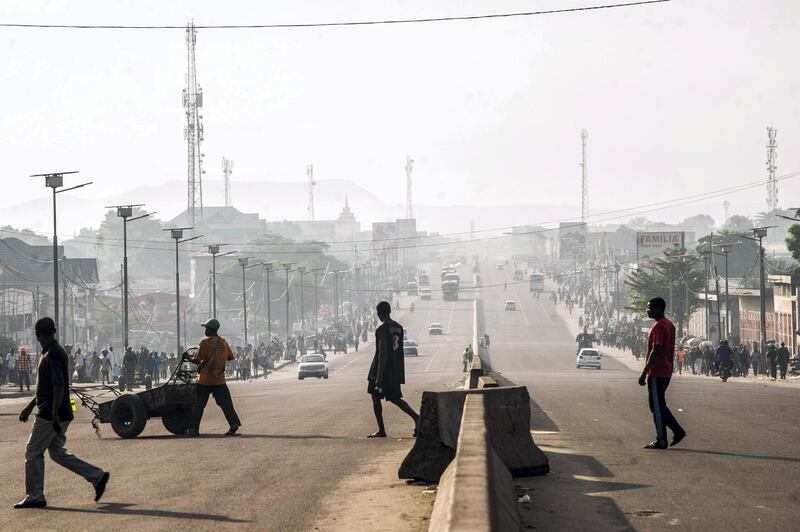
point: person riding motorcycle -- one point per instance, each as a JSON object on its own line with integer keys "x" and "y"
{"x": 724, "y": 359}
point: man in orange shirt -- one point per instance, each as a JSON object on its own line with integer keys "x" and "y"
{"x": 211, "y": 357}
{"x": 680, "y": 356}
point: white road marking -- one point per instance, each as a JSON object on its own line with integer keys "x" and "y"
{"x": 438, "y": 349}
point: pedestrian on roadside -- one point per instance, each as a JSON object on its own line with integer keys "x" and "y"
{"x": 657, "y": 373}
{"x": 129, "y": 362}
{"x": 755, "y": 360}
{"x": 24, "y": 367}
{"x": 679, "y": 357}
{"x": 49, "y": 431}
{"x": 783, "y": 359}
{"x": 387, "y": 371}
{"x": 11, "y": 363}
{"x": 105, "y": 369}
{"x": 772, "y": 358}
{"x": 211, "y": 358}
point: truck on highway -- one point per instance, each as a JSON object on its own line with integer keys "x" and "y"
{"x": 450, "y": 290}
{"x": 536, "y": 282}
{"x": 423, "y": 279}
{"x": 453, "y": 276}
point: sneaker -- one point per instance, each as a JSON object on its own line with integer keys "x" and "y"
{"x": 232, "y": 432}
{"x": 676, "y": 439}
{"x": 101, "y": 486}
{"x": 656, "y": 445}
{"x": 30, "y": 504}
{"x": 377, "y": 434}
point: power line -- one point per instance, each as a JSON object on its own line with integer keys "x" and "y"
{"x": 334, "y": 24}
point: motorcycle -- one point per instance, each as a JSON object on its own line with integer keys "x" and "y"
{"x": 411, "y": 307}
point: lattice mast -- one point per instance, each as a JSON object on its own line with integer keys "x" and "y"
{"x": 772, "y": 184}
{"x": 227, "y": 170}
{"x": 193, "y": 131}
{"x": 311, "y": 185}
{"x": 584, "y": 180}
{"x": 409, "y": 203}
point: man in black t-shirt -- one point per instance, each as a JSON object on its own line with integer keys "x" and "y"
{"x": 50, "y": 426}
{"x": 387, "y": 371}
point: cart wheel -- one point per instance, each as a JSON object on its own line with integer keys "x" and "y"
{"x": 148, "y": 382}
{"x": 128, "y": 416}
{"x": 122, "y": 383}
{"x": 177, "y": 421}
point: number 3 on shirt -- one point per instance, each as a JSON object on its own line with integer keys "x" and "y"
{"x": 395, "y": 342}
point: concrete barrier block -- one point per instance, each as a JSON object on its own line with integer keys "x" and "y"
{"x": 508, "y": 422}
{"x": 487, "y": 382}
{"x": 476, "y": 491}
{"x": 475, "y": 372}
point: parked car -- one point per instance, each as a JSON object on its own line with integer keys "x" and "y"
{"x": 312, "y": 366}
{"x": 435, "y": 328}
{"x": 589, "y": 358}
{"x": 410, "y": 348}
{"x": 510, "y": 305}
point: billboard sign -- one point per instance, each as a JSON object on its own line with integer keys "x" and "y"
{"x": 654, "y": 244}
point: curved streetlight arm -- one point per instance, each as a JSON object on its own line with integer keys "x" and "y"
{"x": 72, "y": 188}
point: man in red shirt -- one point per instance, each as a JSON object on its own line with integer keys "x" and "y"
{"x": 657, "y": 372}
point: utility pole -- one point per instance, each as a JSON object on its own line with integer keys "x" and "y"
{"x": 311, "y": 185}
{"x": 193, "y": 130}
{"x": 227, "y": 170}
{"x": 177, "y": 234}
{"x": 243, "y": 263}
{"x": 409, "y": 203}
{"x": 268, "y": 270}
{"x": 213, "y": 250}
{"x": 302, "y": 270}
{"x": 584, "y": 180}
{"x": 316, "y": 271}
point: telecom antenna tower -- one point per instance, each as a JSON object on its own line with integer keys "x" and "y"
{"x": 227, "y": 170}
{"x": 772, "y": 184}
{"x": 193, "y": 131}
{"x": 311, "y": 185}
{"x": 584, "y": 180}
{"x": 409, "y": 204}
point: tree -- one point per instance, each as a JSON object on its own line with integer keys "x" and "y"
{"x": 150, "y": 250}
{"x": 702, "y": 224}
{"x": 638, "y": 223}
{"x": 793, "y": 241}
{"x": 672, "y": 277}
{"x": 737, "y": 224}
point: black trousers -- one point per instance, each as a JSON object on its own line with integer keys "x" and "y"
{"x": 662, "y": 416}
{"x": 222, "y": 396}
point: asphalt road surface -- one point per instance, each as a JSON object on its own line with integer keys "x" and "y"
{"x": 300, "y": 440}
{"x": 736, "y": 470}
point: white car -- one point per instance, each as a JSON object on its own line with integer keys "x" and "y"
{"x": 511, "y": 305}
{"x": 425, "y": 293}
{"x": 312, "y": 366}
{"x": 410, "y": 348}
{"x": 435, "y": 328}
{"x": 588, "y": 357}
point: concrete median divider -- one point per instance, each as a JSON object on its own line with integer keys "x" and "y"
{"x": 476, "y": 491}
{"x": 508, "y": 414}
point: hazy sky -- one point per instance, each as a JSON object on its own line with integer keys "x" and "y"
{"x": 676, "y": 98}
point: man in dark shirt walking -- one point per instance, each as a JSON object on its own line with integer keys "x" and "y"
{"x": 657, "y": 372}
{"x": 387, "y": 371}
{"x": 49, "y": 430}
{"x": 783, "y": 360}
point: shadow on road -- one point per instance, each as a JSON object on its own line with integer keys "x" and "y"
{"x": 737, "y": 455}
{"x": 121, "y": 508}
{"x": 568, "y": 498}
{"x": 244, "y": 437}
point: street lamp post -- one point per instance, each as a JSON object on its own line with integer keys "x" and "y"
{"x": 287, "y": 266}
{"x": 56, "y": 180}
{"x": 177, "y": 234}
{"x": 725, "y": 249}
{"x": 316, "y": 271}
{"x": 268, "y": 269}
{"x": 302, "y": 270}
{"x": 243, "y": 263}
{"x": 760, "y": 233}
{"x": 125, "y": 212}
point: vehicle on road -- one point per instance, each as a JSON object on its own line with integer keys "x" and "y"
{"x": 510, "y": 305}
{"x": 410, "y": 348}
{"x": 425, "y": 293}
{"x": 423, "y": 279}
{"x": 450, "y": 290}
{"x": 499, "y": 267}
{"x": 412, "y": 287}
{"x": 128, "y": 413}
{"x": 589, "y": 358}
{"x": 312, "y": 366}
{"x": 435, "y": 328}
{"x": 536, "y": 282}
